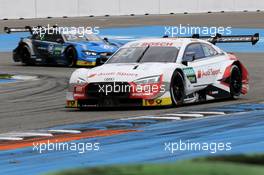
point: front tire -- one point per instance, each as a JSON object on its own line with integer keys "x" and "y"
{"x": 71, "y": 56}
{"x": 235, "y": 81}
{"x": 177, "y": 89}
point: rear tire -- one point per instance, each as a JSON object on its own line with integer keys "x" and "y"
{"x": 177, "y": 89}
{"x": 26, "y": 56}
{"x": 71, "y": 56}
{"x": 202, "y": 96}
{"x": 235, "y": 81}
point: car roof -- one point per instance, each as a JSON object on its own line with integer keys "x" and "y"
{"x": 163, "y": 42}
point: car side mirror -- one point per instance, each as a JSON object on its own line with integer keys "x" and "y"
{"x": 59, "y": 40}
{"x": 106, "y": 39}
{"x": 188, "y": 57}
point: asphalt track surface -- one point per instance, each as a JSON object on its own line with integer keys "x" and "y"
{"x": 40, "y": 103}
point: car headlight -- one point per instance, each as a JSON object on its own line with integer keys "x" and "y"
{"x": 81, "y": 81}
{"x": 149, "y": 80}
{"x": 90, "y": 53}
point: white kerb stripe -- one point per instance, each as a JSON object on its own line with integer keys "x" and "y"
{"x": 153, "y": 117}
{"x": 27, "y": 134}
{"x": 209, "y": 112}
{"x": 186, "y": 115}
{"x": 11, "y": 138}
{"x": 64, "y": 131}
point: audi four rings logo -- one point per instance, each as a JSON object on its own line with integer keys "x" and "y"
{"x": 109, "y": 79}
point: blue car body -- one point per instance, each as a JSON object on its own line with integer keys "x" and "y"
{"x": 58, "y": 49}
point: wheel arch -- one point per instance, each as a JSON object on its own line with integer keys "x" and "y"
{"x": 173, "y": 79}
{"x": 238, "y": 64}
{"x": 21, "y": 45}
{"x": 245, "y": 76}
{"x": 18, "y": 51}
{"x": 71, "y": 46}
{"x": 181, "y": 72}
{"x": 28, "y": 43}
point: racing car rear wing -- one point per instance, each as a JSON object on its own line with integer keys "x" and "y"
{"x": 18, "y": 29}
{"x": 229, "y": 38}
{"x": 24, "y": 29}
{"x": 218, "y": 38}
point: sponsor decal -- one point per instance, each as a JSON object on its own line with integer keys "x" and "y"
{"x": 57, "y": 50}
{"x": 208, "y": 73}
{"x": 114, "y": 74}
{"x": 157, "y": 102}
{"x": 72, "y": 104}
{"x": 50, "y": 48}
{"x": 126, "y": 74}
{"x": 106, "y": 74}
{"x": 42, "y": 48}
{"x": 54, "y": 50}
{"x": 151, "y": 102}
{"x": 190, "y": 74}
{"x": 85, "y": 63}
{"x": 157, "y": 44}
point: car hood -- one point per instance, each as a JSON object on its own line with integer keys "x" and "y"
{"x": 127, "y": 72}
{"x": 97, "y": 46}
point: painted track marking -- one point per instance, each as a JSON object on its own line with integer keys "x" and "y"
{"x": 64, "y": 131}
{"x": 10, "y": 138}
{"x": 27, "y": 134}
{"x": 186, "y": 115}
{"x": 209, "y": 113}
{"x": 62, "y": 138}
{"x": 152, "y": 117}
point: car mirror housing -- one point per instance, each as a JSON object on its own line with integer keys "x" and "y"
{"x": 188, "y": 57}
{"x": 59, "y": 40}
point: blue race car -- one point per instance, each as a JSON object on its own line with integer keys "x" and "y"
{"x": 67, "y": 49}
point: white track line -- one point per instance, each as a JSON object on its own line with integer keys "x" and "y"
{"x": 64, "y": 131}
{"x": 186, "y": 115}
{"x": 24, "y": 77}
{"x": 26, "y": 134}
{"x": 152, "y": 117}
{"x": 208, "y": 112}
{"x": 11, "y": 138}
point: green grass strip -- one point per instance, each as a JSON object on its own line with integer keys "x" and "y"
{"x": 231, "y": 165}
{"x": 5, "y": 76}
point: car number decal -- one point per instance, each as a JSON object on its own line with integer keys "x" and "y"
{"x": 190, "y": 74}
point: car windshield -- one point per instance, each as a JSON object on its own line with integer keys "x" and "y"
{"x": 145, "y": 54}
{"x": 81, "y": 37}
